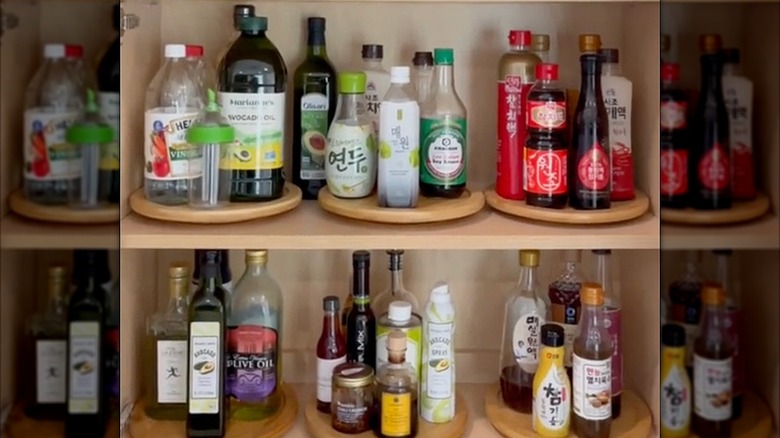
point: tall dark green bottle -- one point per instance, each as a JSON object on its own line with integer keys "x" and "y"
{"x": 314, "y": 106}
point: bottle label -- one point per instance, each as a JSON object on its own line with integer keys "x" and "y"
{"x": 205, "y": 363}
{"x": 351, "y": 160}
{"x": 413, "y": 342}
{"x": 399, "y": 154}
{"x": 732, "y": 325}
{"x": 714, "y": 170}
{"x": 396, "y": 415}
{"x": 325, "y": 369}
{"x": 358, "y": 348}
{"x": 614, "y": 326}
{"x": 171, "y": 372}
{"x": 512, "y": 120}
{"x": 673, "y": 115}
{"x": 593, "y": 168}
{"x": 567, "y": 317}
{"x": 675, "y": 399}
{"x": 712, "y": 388}
{"x": 737, "y": 95}
{"x": 47, "y": 156}
{"x": 674, "y": 172}
{"x": 545, "y": 171}
{"x": 84, "y": 368}
{"x": 525, "y": 341}
{"x": 112, "y": 361}
{"x": 443, "y": 149}
{"x": 552, "y": 401}
{"x": 168, "y": 154}
{"x": 439, "y": 370}
{"x": 617, "y": 102}
{"x": 250, "y": 369}
{"x": 350, "y": 412}
{"x": 546, "y": 115}
{"x": 50, "y": 361}
{"x": 314, "y": 135}
{"x": 592, "y": 388}
{"x": 109, "y": 111}
{"x": 375, "y": 92}
{"x": 258, "y": 119}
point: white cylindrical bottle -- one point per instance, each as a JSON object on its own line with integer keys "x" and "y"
{"x": 398, "y": 174}
{"x": 437, "y": 389}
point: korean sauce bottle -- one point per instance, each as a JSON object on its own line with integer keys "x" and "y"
{"x": 674, "y": 139}
{"x": 552, "y": 388}
{"x": 592, "y": 368}
{"x": 675, "y": 384}
{"x": 617, "y": 91}
{"x": 710, "y": 166}
{"x": 726, "y": 274}
{"x": 712, "y": 368}
{"x": 738, "y": 97}
{"x": 685, "y": 298}
{"x": 564, "y": 294}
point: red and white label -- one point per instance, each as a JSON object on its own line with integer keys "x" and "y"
{"x": 512, "y": 94}
{"x": 744, "y": 181}
{"x": 622, "y": 173}
{"x": 545, "y": 171}
{"x": 673, "y": 115}
{"x": 674, "y": 172}
{"x": 593, "y": 169}
{"x": 546, "y": 115}
{"x": 714, "y": 170}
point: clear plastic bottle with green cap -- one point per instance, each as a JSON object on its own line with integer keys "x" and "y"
{"x": 443, "y": 135}
{"x": 350, "y": 168}
{"x": 89, "y": 136}
{"x": 208, "y": 137}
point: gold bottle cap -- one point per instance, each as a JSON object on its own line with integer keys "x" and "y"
{"x": 529, "y": 257}
{"x": 540, "y": 42}
{"x": 713, "y": 294}
{"x": 666, "y": 43}
{"x": 710, "y": 43}
{"x": 396, "y": 341}
{"x": 57, "y": 271}
{"x": 57, "y": 280}
{"x": 592, "y": 294}
{"x": 590, "y": 42}
{"x": 256, "y": 256}
{"x": 353, "y": 375}
{"x": 179, "y": 270}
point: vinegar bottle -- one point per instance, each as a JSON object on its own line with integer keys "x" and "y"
{"x": 552, "y": 388}
{"x": 675, "y": 384}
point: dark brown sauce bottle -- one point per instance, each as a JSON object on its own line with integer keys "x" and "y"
{"x": 674, "y": 139}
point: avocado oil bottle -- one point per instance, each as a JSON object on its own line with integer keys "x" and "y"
{"x": 252, "y": 84}
{"x": 205, "y": 364}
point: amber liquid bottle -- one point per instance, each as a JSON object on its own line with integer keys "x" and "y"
{"x": 397, "y": 392}
{"x": 331, "y": 352}
{"x": 674, "y": 140}
{"x": 712, "y": 368}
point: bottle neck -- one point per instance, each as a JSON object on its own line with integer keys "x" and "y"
{"x": 178, "y": 293}
{"x": 349, "y": 106}
{"x": 443, "y": 78}
{"x": 552, "y": 355}
{"x": 330, "y": 325}
{"x": 519, "y": 48}
{"x": 396, "y": 274}
{"x": 57, "y": 296}
{"x": 360, "y": 286}
{"x": 591, "y": 83}
{"x": 527, "y": 281}
{"x": 711, "y": 74}
{"x": 316, "y": 45}
{"x": 712, "y": 323}
{"x": 592, "y": 318}
{"x": 730, "y": 69}
{"x": 209, "y": 281}
{"x": 396, "y": 357}
{"x": 671, "y": 356}
{"x": 610, "y": 69}
{"x": 373, "y": 63}
{"x": 604, "y": 278}
{"x": 255, "y": 268}
{"x": 253, "y": 33}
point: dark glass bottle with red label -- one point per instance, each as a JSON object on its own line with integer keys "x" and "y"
{"x": 674, "y": 141}
{"x": 710, "y": 167}
{"x": 546, "y": 150}
{"x": 590, "y": 169}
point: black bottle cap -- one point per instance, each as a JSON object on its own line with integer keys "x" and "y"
{"x": 395, "y": 258}
{"x": 243, "y": 11}
{"x": 361, "y": 258}
{"x": 611, "y": 56}
{"x": 224, "y": 264}
{"x": 373, "y": 51}
{"x": 330, "y": 304}
{"x": 209, "y": 260}
{"x": 316, "y": 24}
{"x": 730, "y": 55}
{"x": 591, "y": 64}
{"x": 673, "y": 335}
{"x": 422, "y": 59}
{"x": 601, "y": 251}
{"x": 552, "y": 335}
{"x": 115, "y": 16}
{"x": 95, "y": 259}
{"x": 722, "y": 252}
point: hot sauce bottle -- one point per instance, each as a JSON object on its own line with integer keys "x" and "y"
{"x": 712, "y": 368}
{"x": 552, "y": 388}
{"x": 546, "y": 148}
{"x": 710, "y": 166}
{"x": 674, "y": 141}
{"x": 331, "y": 352}
{"x": 675, "y": 384}
{"x": 564, "y": 294}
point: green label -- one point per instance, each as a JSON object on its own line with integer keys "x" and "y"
{"x": 314, "y": 132}
{"x": 443, "y": 151}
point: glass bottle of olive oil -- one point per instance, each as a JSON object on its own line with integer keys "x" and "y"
{"x": 206, "y": 357}
{"x": 252, "y": 84}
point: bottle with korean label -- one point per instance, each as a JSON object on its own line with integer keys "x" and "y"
{"x": 166, "y": 395}
{"x": 727, "y": 275}
{"x": 377, "y": 81}
{"x": 738, "y": 96}
{"x": 674, "y": 139}
{"x": 524, "y": 314}
{"x": 437, "y": 386}
{"x": 350, "y": 168}
{"x": 86, "y": 414}
{"x": 564, "y": 296}
{"x": 398, "y": 173}
{"x": 713, "y": 356}
{"x": 616, "y": 90}
{"x": 397, "y": 391}
{"x": 592, "y": 367}
{"x": 604, "y": 275}
{"x": 552, "y": 388}
{"x": 331, "y": 352}
{"x": 206, "y": 353}
{"x": 675, "y": 384}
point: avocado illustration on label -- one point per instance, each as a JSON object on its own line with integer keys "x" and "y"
{"x": 207, "y": 368}
{"x": 315, "y": 142}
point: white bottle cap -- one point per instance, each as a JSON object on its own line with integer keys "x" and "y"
{"x": 54, "y": 51}
{"x": 440, "y": 293}
{"x": 400, "y": 311}
{"x": 399, "y": 74}
{"x": 175, "y": 50}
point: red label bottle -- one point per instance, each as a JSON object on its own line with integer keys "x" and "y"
{"x": 674, "y": 141}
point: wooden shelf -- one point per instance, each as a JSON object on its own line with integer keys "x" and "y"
{"x": 20, "y": 233}
{"x": 309, "y": 227}
{"x": 761, "y": 234}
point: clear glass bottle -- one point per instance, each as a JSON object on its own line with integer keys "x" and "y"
{"x": 166, "y": 396}
{"x": 685, "y": 302}
{"x": 204, "y": 74}
{"x": 396, "y": 290}
{"x": 54, "y": 100}
{"x": 173, "y": 102}
{"x": 399, "y": 316}
{"x": 377, "y": 81}
{"x": 614, "y": 322}
{"x": 422, "y": 75}
{"x": 540, "y": 46}
{"x": 254, "y": 346}
{"x": 397, "y": 392}
{"x": 564, "y": 295}
{"x": 524, "y": 315}
{"x": 727, "y": 275}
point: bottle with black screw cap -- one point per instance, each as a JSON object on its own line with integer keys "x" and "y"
{"x": 205, "y": 362}
{"x": 377, "y": 80}
{"x": 361, "y": 323}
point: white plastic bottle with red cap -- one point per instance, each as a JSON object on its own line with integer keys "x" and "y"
{"x": 55, "y": 98}
{"x": 173, "y": 100}
{"x": 616, "y": 91}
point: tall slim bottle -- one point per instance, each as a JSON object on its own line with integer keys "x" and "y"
{"x": 377, "y": 81}
{"x": 314, "y": 106}
{"x": 674, "y": 139}
{"x": 738, "y": 97}
{"x": 396, "y": 290}
{"x": 614, "y": 322}
{"x": 206, "y": 358}
{"x": 540, "y": 46}
{"x": 685, "y": 298}
{"x": 108, "y": 86}
{"x": 331, "y": 352}
{"x": 617, "y": 92}
{"x": 361, "y": 324}
{"x": 422, "y": 75}
{"x": 726, "y": 274}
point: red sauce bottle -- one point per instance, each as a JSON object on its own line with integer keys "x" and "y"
{"x": 674, "y": 141}
{"x": 331, "y": 352}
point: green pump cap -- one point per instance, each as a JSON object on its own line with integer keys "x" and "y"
{"x": 210, "y": 129}
{"x": 443, "y": 56}
{"x": 253, "y": 24}
{"x": 91, "y": 129}
{"x": 352, "y": 82}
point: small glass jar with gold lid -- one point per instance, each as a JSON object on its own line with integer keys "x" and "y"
{"x": 352, "y": 404}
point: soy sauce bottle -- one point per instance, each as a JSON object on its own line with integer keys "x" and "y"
{"x": 108, "y": 99}
{"x": 590, "y": 170}
{"x": 710, "y": 167}
{"x": 674, "y": 139}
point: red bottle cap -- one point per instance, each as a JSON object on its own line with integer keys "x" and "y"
{"x": 547, "y": 72}
{"x": 193, "y": 51}
{"x": 519, "y": 37}
{"x": 74, "y": 51}
{"x": 670, "y": 72}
